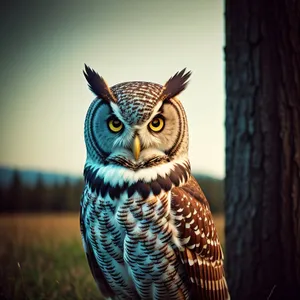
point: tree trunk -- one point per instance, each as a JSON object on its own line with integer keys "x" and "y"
{"x": 263, "y": 149}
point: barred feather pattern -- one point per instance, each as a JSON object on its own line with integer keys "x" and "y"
{"x": 202, "y": 254}
{"x": 152, "y": 240}
{"x": 136, "y": 100}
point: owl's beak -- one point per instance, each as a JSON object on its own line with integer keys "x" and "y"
{"x": 136, "y": 147}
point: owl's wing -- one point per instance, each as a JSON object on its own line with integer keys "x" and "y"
{"x": 201, "y": 253}
{"x": 95, "y": 269}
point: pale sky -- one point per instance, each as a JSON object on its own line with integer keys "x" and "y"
{"x": 44, "y": 96}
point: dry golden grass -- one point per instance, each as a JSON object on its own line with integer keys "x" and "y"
{"x": 41, "y": 257}
{"x": 24, "y": 229}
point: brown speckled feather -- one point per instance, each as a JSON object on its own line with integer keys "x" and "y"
{"x": 202, "y": 254}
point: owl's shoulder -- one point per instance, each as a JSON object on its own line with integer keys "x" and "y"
{"x": 190, "y": 191}
{"x": 200, "y": 251}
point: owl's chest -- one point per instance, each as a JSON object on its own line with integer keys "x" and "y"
{"x": 109, "y": 221}
{"x": 106, "y": 234}
{"x": 131, "y": 228}
{"x": 133, "y": 239}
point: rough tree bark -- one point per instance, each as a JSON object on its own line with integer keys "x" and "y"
{"x": 263, "y": 149}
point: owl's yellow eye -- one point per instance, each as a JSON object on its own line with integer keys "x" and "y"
{"x": 114, "y": 125}
{"x": 157, "y": 124}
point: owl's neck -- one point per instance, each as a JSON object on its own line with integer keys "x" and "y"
{"x": 100, "y": 178}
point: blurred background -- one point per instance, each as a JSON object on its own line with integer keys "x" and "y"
{"x": 44, "y": 99}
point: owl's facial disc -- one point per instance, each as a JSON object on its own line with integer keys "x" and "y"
{"x": 151, "y": 143}
{"x": 112, "y": 139}
{"x": 142, "y": 140}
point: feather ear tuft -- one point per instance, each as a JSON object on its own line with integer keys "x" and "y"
{"x": 98, "y": 85}
{"x": 175, "y": 85}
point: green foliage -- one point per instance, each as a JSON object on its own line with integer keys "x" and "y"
{"x": 213, "y": 190}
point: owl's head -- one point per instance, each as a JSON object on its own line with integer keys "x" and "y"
{"x": 136, "y": 125}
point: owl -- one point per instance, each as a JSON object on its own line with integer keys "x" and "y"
{"x": 146, "y": 225}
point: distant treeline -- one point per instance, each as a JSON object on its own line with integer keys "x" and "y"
{"x": 20, "y": 197}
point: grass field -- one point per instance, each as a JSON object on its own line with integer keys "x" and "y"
{"x": 41, "y": 257}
